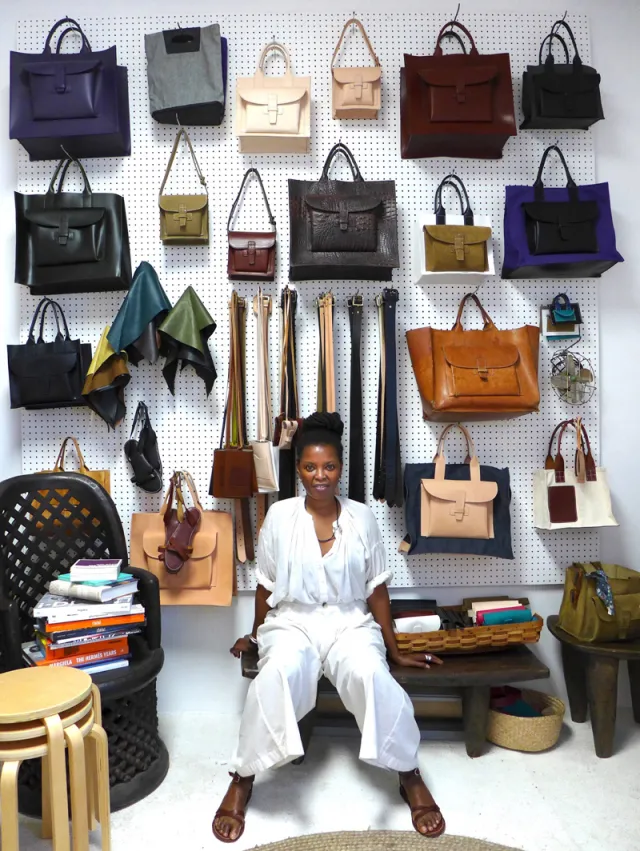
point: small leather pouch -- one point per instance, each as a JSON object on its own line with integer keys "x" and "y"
{"x": 252, "y": 255}
{"x": 563, "y": 312}
{"x": 234, "y": 473}
{"x": 455, "y": 247}
{"x": 356, "y": 91}
{"x": 562, "y": 504}
{"x": 184, "y": 219}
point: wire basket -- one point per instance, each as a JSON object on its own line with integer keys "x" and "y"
{"x": 528, "y": 734}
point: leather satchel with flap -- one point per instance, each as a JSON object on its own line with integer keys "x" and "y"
{"x": 356, "y": 91}
{"x": 184, "y": 219}
{"x": 455, "y": 248}
{"x": 252, "y": 255}
{"x": 601, "y": 603}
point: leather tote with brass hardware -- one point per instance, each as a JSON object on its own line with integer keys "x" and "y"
{"x": 571, "y": 499}
{"x": 356, "y": 91}
{"x": 601, "y": 602}
{"x": 265, "y": 453}
{"x": 184, "y": 219}
{"x": 488, "y": 374}
{"x": 252, "y": 254}
{"x": 342, "y": 229}
{"x": 273, "y": 114}
{"x": 454, "y": 247}
{"x": 71, "y": 242}
{"x": 456, "y": 105}
{"x": 560, "y": 96}
{"x": 188, "y": 549}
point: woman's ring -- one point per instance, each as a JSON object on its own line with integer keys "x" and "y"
{"x": 428, "y": 657}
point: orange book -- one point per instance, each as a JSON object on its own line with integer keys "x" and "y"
{"x": 33, "y": 655}
{"x": 53, "y": 652}
{"x": 72, "y": 626}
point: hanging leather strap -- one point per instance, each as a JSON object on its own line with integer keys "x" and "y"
{"x": 246, "y": 177}
{"x": 465, "y": 207}
{"x": 182, "y": 132}
{"x": 393, "y": 491}
{"x": 569, "y": 31}
{"x": 287, "y": 422}
{"x": 364, "y": 36}
{"x": 264, "y": 429}
{"x": 326, "y": 392}
{"x": 356, "y": 433}
{"x": 378, "y": 477}
{"x": 442, "y": 34}
{"x": 538, "y": 186}
{"x": 550, "y": 38}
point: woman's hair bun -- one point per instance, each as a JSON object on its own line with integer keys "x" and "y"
{"x": 324, "y": 421}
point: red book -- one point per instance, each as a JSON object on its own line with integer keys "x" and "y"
{"x": 480, "y": 614}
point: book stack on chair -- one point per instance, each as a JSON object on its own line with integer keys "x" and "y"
{"x": 86, "y": 618}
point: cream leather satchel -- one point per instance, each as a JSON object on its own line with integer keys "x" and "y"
{"x": 356, "y": 91}
{"x": 457, "y": 509}
{"x": 273, "y": 114}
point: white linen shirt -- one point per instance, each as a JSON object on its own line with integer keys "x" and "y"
{"x": 290, "y": 563}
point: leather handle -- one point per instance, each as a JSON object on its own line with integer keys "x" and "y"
{"x": 488, "y": 321}
{"x": 440, "y": 458}
{"x": 341, "y": 148}
{"x": 247, "y": 175}
{"x": 465, "y": 207}
{"x": 192, "y": 488}
{"x": 576, "y": 56}
{"x": 549, "y": 38}
{"x": 364, "y": 36}
{"x": 62, "y": 169}
{"x": 82, "y": 467}
{"x": 279, "y": 48}
{"x": 538, "y": 186}
{"x": 182, "y": 132}
{"x": 76, "y": 25}
{"x": 441, "y": 34}
{"x": 85, "y": 48}
{"x": 36, "y": 313}
{"x": 59, "y": 314}
{"x": 561, "y": 302}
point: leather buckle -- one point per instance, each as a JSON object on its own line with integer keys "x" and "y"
{"x": 63, "y": 235}
{"x": 482, "y": 369}
{"x": 250, "y": 252}
{"x": 459, "y": 509}
{"x": 458, "y": 246}
{"x": 182, "y": 216}
{"x": 272, "y": 109}
{"x": 461, "y": 95}
{"x": 60, "y": 82}
{"x": 358, "y": 86}
{"x": 343, "y": 215}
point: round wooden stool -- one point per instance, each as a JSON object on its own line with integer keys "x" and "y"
{"x": 42, "y": 712}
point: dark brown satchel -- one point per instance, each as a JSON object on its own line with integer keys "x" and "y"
{"x": 456, "y": 105}
{"x": 252, "y": 255}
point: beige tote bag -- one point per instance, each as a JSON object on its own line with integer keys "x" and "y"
{"x": 356, "y": 91}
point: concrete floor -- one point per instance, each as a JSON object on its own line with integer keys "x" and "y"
{"x": 563, "y": 800}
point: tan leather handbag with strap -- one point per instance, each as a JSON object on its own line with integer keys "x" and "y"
{"x": 487, "y": 374}
{"x": 356, "y": 91}
{"x": 184, "y": 219}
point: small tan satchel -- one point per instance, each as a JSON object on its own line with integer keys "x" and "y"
{"x": 184, "y": 219}
{"x": 356, "y": 91}
{"x": 457, "y": 509}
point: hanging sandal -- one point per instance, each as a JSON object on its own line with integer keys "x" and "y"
{"x": 181, "y": 524}
{"x": 418, "y": 812}
{"x": 236, "y": 815}
{"x": 142, "y": 453}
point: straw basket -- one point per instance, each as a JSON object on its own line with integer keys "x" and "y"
{"x": 528, "y": 734}
{"x": 474, "y": 639}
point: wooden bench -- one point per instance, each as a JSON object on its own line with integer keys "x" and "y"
{"x": 469, "y": 676}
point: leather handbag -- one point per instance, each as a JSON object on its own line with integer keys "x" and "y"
{"x": 457, "y": 509}
{"x": 453, "y": 247}
{"x": 456, "y": 105}
{"x": 342, "y": 229}
{"x": 601, "y": 602}
{"x": 252, "y": 254}
{"x": 78, "y": 100}
{"x": 571, "y": 499}
{"x": 48, "y": 375}
{"x": 562, "y": 311}
{"x": 71, "y": 242}
{"x": 355, "y": 92}
{"x": 273, "y": 114}
{"x": 560, "y": 96}
{"x": 188, "y": 549}
{"x": 488, "y": 374}
{"x": 187, "y": 75}
{"x": 184, "y": 219}
{"x": 558, "y": 233}
{"x": 265, "y": 453}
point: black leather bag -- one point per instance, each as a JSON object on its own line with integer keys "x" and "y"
{"x": 560, "y": 96}
{"x": 71, "y": 242}
{"x": 342, "y": 229}
{"x": 48, "y": 375}
{"x": 560, "y": 227}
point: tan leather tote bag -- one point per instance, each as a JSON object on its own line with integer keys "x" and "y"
{"x": 356, "y": 91}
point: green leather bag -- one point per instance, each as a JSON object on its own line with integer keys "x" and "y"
{"x": 184, "y": 219}
{"x": 584, "y": 615}
{"x": 455, "y": 247}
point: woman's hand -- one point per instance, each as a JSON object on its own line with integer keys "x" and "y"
{"x": 415, "y": 660}
{"x": 242, "y": 645}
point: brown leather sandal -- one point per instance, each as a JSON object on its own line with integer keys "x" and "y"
{"x": 236, "y": 815}
{"x": 418, "y": 812}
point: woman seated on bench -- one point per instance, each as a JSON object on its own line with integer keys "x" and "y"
{"x": 322, "y": 607}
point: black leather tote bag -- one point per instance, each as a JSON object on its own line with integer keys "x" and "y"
{"x": 48, "y": 375}
{"x": 345, "y": 230}
{"x": 71, "y": 242}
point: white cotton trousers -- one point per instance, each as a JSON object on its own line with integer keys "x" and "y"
{"x": 298, "y": 644}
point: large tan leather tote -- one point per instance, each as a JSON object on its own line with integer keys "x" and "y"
{"x": 355, "y": 92}
{"x": 273, "y": 114}
{"x": 488, "y": 374}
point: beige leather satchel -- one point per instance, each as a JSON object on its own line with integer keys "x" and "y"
{"x": 273, "y": 114}
{"x": 356, "y": 91}
{"x": 453, "y": 508}
{"x": 184, "y": 219}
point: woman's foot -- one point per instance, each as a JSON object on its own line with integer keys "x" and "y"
{"x": 228, "y": 824}
{"x": 425, "y": 813}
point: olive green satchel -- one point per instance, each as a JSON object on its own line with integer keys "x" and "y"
{"x": 455, "y": 247}
{"x": 184, "y": 219}
{"x": 587, "y": 616}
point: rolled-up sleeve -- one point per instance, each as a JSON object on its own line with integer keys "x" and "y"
{"x": 376, "y": 571}
{"x": 265, "y": 561}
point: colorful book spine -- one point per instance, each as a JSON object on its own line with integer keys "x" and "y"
{"x": 53, "y": 653}
{"x": 92, "y": 623}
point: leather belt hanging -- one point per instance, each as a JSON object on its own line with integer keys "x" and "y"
{"x": 288, "y": 421}
{"x": 356, "y": 434}
{"x": 378, "y": 477}
{"x": 264, "y": 453}
{"x": 326, "y": 393}
{"x": 388, "y": 479}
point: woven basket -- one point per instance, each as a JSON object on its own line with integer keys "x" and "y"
{"x": 474, "y": 639}
{"x": 528, "y": 734}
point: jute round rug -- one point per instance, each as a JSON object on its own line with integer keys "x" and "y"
{"x": 381, "y": 840}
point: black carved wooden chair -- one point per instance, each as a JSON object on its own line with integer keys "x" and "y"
{"x": 47, "y": 521}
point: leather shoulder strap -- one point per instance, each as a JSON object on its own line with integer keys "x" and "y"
{"x": 364, "y": 36}
{"x": 246, "y": 177}
{"x": 182, "y": 132}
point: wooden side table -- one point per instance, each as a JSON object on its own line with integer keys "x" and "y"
{"x": 591, "y": 678}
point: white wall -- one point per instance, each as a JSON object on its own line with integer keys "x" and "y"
{"x": 199, "y": 671}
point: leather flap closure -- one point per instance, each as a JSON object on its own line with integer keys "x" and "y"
{"x": 458, "y": 76}
{"x": 562, "y": 212}
{"x": 183, "y": 203}
{"x": 204, "y": 543}
{"x": 569, "y": 84}
{"x": 269, "y": 97}
{"x": 344, "y": 76}
{"x": 74, "y": 217}
{"x": 63, "y": 69}
{"x": 331, "y": 204}
{"x": 54, "y": 363}
{"x": 248, "y": 241}
{"x": 470, "y": 235}
{"x": 481, "y": 357}
{"x": 452, "y": 490}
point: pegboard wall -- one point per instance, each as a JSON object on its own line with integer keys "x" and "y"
{"x": 188, "y": 425}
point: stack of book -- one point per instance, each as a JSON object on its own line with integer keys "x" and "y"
{"x": 86, "y": 618}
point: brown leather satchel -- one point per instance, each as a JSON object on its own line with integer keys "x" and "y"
{"x": 356, "y": 91}
{"x": 456, "y": 105}
{"x": 252, "y": 255}
{"x": 476, "y": 375}
{"x": 184, "y": 219}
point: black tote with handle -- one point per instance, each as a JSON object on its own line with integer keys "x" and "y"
{"x": 48, "y": 374}
{"x": 71, "y": 242}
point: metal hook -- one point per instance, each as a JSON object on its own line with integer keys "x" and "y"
{"x": 65, "y": 152}
{"x": 564, "y": 17}
{"x": 454, "y": 19}
{"x": 178, "y": 121}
